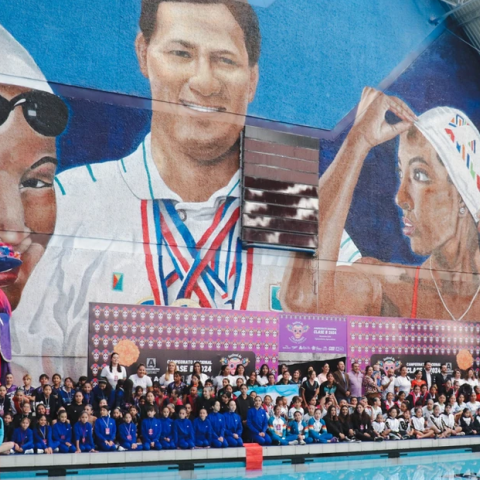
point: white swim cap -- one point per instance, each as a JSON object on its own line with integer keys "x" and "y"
{"x": 457, "y": 142}
{"x": 17, "y": 67}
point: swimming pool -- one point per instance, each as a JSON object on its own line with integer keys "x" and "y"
{"x": 412, "y": 466}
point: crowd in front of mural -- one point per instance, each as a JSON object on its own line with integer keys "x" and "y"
{"x": 133, "y": 413}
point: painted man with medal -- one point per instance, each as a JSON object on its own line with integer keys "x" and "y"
{"x": 162, "y": 226}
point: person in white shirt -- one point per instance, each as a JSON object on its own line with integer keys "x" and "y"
{"x": 419, "y": 425}
{"x": 428, "y": 409}
{"x": 473, "y": 405}
{"x": 297, "y": 407}
{"x": 310, "y": 413}
{"x": 393, "y": 424}
{"x": 141, "y": 379}
{"x": 380, "y": 427}
{"x": 114, "y": 372}
{"x": 375, "y": 409}
{"x": 471, "y": 378}
{"x": 240, "y": 373}
{"x": 197, "y": 368}
{"x": 224, "y": 373}
{"x": 435, "y": 423}
{"x": 159, "y": 217}
{"x": 262, "y": 377}
{"x": 441, "y": 402}
{"x": 402, "y": 382}
{"x": 167, "y": 378}
{"x": 449, "y": 422}
{"x": 322, "y": 376}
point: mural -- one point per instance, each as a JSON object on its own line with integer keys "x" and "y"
{"x": 162, "y": 177}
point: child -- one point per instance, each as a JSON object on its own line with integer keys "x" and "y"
{"x": 183, "y": 435}
{"x": 166, "y": 438}
{"x": 311, "y": 413}
{"x": 268, "y": 405}
{"x": 217, "y": 421}
{"x": 117, "y": 416}
{"x": 128, "y": 434}
{"x": 42, "y": 437}
{"x": 52, "y": 404}
{"x": 283, "y": 410}
{"x": 62, "y": 433}
{"x": 441, "y": 402}
{"x": 105, "y": 431}
{"x": 277, "y": 428}
{"x": 296, "y": 407}
{"x": 233, "y": 426}
{"x": 5, "y": 404}
{"x": 202, "y": 430}
{"x": 100, "y": 392}
{"x": 466, "y": 423}
{"x": 380, "y": 427}
{"x": 393, "y": 424}
{"x": 151, "y": 431}
{"x": 406, "y": 428}
{"x": 418, "y": 424}
{"x": 317, "y": 430}
{"x": 83, "y": 432}
{"x": 8, "y": 427}
{"x": 354, "y": 403}
{"x": 23, "y": 438}
{"x": 133, "y": 411}
{"x": 428, "y": 409}
{"x": 436, "y": 424}
{"x": 257, "y": 423}
{"x": 297, "y": 430}
{"x": 26, "y": 412}
{"x": 449, "y": 422}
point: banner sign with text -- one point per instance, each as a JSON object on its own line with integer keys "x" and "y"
{"x": 154, "y": 335}
{"x": 313, "y": 333}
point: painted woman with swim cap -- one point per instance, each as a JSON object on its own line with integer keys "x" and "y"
{"x": 439, "y": 168}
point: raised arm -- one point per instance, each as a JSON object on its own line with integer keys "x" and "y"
{"x": 335, "y": 192}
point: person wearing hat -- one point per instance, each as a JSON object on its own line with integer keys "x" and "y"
{"x": 31, "y": 117}
{"x": 439, "y": 196}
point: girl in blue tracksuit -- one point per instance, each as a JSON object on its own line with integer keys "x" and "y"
{"x": 277, "y": 427}
{"x": 83, "y": 434}
{"x": 128, "y": 434}
{"x": 42, "y": 436}
{"x": 166, "y": 438}
{"x": 317, "y": 430}
{"x": 62, "y": 433}
{"x": 23, "y": 437}
{"x": 233, "y": 426}
{"x": 257, "y": 423}
{"x": 183, "y": 435}
{"x": 297, "y": 430}
{"x": 202, "y": 430}
{"x": 151, "y": 431}
{"x": 105, "y": 431}
{"x": 217, "y": 420}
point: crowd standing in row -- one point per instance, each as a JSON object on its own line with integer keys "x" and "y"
{"x": 134, "y": 413}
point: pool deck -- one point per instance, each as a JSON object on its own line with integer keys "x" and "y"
{"x": 188, "y": 459}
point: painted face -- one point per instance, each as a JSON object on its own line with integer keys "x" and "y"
{"x": 27, "y": 199}
{"x": 197, "y": 58}
{"x": 429, "y": 200}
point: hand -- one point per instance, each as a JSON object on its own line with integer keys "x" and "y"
{"x": 152, "y": 444}
{"x": 347, "y": 393}
{"x": 220, "y": 439}
{"x": 78, "y": 450}
{"x": 261, "y": 434}
{"x": 134, "y": 446}
{"x": 370, "y": 124}
{"x": 235, "y": 436}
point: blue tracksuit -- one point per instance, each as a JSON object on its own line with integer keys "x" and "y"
{"x": 217, "y": 421}
{"x": 97, "y": 395}
{"x": 167, "y": 432}
{"x": 257, "y": 422}
{"x": 83, "y": 432}
{"x": 42, "y": 438}
{"x": 293, "y": 431}
{"x": 62, "y": 433}
{"x": 66, "y": 397}
{"x": 183, "y": 434}
{"x": 127, "y": 433}
{"x": 105, "y": 430}
{"x": 203, "y": 432}
{"x": 277, "y": 429}
{"x": 151, "y": 433}
{"x": 233, "y": 424}
{"x": 317, "y": 430}
{"x": 23, "y": 438}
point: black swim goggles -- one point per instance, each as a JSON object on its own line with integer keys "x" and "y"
{"x": 43, "y": 111}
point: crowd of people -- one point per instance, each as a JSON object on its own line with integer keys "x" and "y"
{"x": 134, "y": 413}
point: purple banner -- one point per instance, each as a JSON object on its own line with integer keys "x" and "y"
{"x": 313, "y": 333}
{"x": 138, "y": 333}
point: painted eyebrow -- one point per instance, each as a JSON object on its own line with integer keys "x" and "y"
{"x": 417, "y": 160}
{"x": 44, "y": 160}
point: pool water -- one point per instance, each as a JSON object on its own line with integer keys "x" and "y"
{"x": 413, "y": 466}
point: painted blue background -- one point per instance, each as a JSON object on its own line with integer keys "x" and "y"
{"x": 317, "y": 55}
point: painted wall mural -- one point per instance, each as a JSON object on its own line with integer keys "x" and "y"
{"x": 161, "y": 161}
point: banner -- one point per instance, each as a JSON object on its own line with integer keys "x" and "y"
{"x": 275, "y": 391}
{"x": 154, "y": 335}
{"x": 313, "y": 333}
{"x": 412, "y": 342}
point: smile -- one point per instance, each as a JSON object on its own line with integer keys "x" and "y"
{"x": 203, "y": 108}
{"x": 409, "y": 228}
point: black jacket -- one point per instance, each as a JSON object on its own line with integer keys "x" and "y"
{"x": 243, "y": 405}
